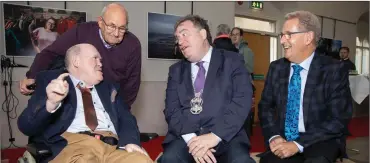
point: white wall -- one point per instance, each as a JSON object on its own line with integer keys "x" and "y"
{"x": 149, "y": 105}
{"x": 345, "y": 11}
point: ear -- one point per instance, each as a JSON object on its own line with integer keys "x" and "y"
{"x": 75, "y": 61}
{"x": 310, "y": 37}
{"x": 203, "y": 33}
{"x": 100, "y": 22}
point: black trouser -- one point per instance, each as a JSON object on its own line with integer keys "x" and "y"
{"x": 248, "y": 124}
{"x": 236, "y": 151}
{"x": 322, "y": 152}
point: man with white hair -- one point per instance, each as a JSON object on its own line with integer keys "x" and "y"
{"x": 306, "y": 103}
{"x": 119, "y": 48}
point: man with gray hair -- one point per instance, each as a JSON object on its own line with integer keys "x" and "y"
{"x": 222, "y": 40}
{"x": 120, "y": 50}
{"x": 306, "y": 103}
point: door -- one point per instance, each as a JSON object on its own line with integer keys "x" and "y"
{"x": 260, "y": 45}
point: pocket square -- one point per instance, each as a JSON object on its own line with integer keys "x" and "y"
{"x": 113, "y": 95}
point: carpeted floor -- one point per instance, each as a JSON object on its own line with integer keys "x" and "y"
{"x": 358, "y": 127}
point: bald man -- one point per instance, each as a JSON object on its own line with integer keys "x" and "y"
{"x": 119, "y": 48}
{"x": 80, "y": 117}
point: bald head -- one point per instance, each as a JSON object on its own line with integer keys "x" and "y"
{"x": 77, "y": 50}
{"x": 83, "y": 61}
{"x": 114, "y": 8}
{"x": 113, "y": 23}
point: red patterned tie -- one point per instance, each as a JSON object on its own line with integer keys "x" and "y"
{"x": 90, "y": 115}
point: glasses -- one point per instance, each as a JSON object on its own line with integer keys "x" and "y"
{"x": 112, "y": 28}
{"x": 288, "y": 35}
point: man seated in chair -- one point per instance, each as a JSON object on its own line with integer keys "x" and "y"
{"x": 80, "y": 117}
{"x": 208, "y": 98}
{"x": 306, "y": 101}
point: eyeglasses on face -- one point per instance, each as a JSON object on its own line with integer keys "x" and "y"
{"x": 112, "y": 28}
{"x": 288, "y": 35}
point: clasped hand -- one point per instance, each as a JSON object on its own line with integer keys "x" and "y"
{"x": 201, "y": 147}
{"x": 283, "y": 149}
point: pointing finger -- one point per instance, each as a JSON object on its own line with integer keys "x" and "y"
{"x": 62, "y": 76}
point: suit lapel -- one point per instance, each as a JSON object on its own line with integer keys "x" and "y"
{"x": 284, "y": 81}
{"x": 103, "y": 92}
{"x": 186, "y": 79}
{"x": 71, "y": 98}
{"x": 214, "y": 65}
{"x": 313, "y": 78}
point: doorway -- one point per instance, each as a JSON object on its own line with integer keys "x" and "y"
{"x": 262, "y": 47}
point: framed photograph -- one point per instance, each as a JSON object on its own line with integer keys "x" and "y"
{"x": 329, "y": 47}
{"x": 30, "y": 29}
{"x": 161, "y": 40}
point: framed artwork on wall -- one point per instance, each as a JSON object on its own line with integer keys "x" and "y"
{"x": 30, "y": 29}
{"x": 161, "y": 40}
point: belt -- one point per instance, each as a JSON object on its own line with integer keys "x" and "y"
{"x": 106, "y": 139}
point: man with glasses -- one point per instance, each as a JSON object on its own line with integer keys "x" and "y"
{"x": 119, "y": 48}
{"x": 306, "y": 103}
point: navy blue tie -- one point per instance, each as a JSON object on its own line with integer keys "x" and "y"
{"x": 293, "y": 103}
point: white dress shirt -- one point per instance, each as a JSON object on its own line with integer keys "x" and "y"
{"x": 306, "y": 66}
{"x": 79, "y": 123}
{"x": 194, "y": 72}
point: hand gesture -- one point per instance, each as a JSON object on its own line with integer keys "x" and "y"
{"x": 56, "y": 91}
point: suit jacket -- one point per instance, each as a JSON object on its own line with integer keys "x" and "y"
{"x": 227, "y": 98}
{"x": 44, "y": 127}
{"x": 327, "y": 103}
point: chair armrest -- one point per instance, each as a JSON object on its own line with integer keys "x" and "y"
{"x": 37, "y": 150}
{"x": 145, "y": 137}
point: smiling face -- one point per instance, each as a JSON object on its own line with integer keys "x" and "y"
{"x": 50, "y": 24}
{"x": 295, "y": 41}
{"x": 113, "y": 24}
{"x": 191, "y": 41}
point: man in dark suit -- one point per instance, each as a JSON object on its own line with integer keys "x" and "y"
{"x": 306, "y": 102}
{"x": 80, "y": 116}
{"x": 208, "y": 98}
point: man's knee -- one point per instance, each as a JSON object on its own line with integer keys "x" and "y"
{"x": 169, "y": 157}
{"x": 141, "y": 158}
{"x": 243, "y": 159}
{"x": 320, "y": 159}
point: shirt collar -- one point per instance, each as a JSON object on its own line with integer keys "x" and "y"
{"x": 207, "y": 57}
{"x": 104, "y": 42}
{"x": 76, "y": 81}
{"x": 306, "y": 63}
